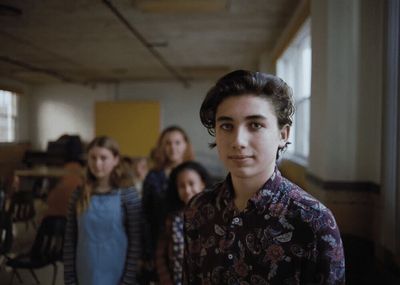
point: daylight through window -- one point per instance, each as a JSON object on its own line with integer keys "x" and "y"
{"x": 294, "y": 66}
{"x": 8, "y": 116}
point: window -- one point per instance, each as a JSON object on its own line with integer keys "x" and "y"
{"x": 294, "y": 66}
{"x": 8, "y": 116}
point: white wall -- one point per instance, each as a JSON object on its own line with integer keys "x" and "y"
{"x": 67, "y": 108}
{"x": 346, "y": 90}
{"x": 371, "y": 82}
{"x": 63, "y": 108}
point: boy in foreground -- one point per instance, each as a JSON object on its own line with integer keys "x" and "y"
{"x": 257, "y": 227}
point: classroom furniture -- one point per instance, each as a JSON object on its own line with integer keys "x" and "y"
{"x": 65, "y": 148}
{"x": 22, "y": 208}
{"x": 41, "y": 172}
{"x": 6, "y": 236}
{"x": 46, "y": 249}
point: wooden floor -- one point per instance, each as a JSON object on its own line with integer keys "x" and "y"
{"x": 361, "y": 266}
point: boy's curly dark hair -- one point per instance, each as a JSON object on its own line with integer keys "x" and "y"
{"x": 243, "y": 82}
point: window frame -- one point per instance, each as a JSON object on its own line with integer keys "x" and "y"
{"x": 9, "y": 115}
{"x": 287, "y": 68}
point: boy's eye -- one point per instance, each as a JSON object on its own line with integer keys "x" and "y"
{"x": 226, "y": 127}
{"x": 255, "y": 125}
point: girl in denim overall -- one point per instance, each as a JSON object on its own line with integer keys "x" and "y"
{"x": 102, "y": 237}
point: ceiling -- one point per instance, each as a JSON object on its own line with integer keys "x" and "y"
{"x": 89, "y": 41}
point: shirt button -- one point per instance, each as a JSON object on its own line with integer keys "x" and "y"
{"x": 230, "y": 256}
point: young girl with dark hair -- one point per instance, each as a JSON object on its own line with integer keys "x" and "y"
{"x": 102, "y": 236}
{"x": 186, "y": 180}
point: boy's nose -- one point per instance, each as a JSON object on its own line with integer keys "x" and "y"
{"x": 240, "y": 139}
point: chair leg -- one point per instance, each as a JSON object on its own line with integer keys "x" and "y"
{"x": 12, "y": 277}
{"x": 15, "y": 273}
{"x": 34, "y": 276}
{"x": 54, "y": 274}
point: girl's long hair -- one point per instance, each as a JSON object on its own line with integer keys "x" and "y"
{"x": 119, "y": 176}
{"x": 160, "y": 159}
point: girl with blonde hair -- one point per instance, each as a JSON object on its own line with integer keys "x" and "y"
{"x": 102, "y": 238}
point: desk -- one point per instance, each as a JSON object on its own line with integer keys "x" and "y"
{"x": 39, "y": 179}
{"x": 44, "y": 172}
{"x": 42, "y": 180}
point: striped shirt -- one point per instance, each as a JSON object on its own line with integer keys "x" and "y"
{"x": 131, "y": 204}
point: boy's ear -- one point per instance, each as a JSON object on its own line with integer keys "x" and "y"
{"x": 284, "y": 132}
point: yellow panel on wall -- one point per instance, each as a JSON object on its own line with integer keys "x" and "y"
{"x": 134, "y": 124}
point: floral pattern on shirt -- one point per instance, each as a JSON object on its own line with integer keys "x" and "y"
{"x": 283, "y": 236}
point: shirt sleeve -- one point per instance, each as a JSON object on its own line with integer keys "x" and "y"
{"x": 132, "y": 204}
{"x": 70, "y": 242}
{"x": 329, "y": 263}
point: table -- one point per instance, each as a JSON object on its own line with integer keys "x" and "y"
{"x": 44, "y": 172}
{"x": 39, "y": 179}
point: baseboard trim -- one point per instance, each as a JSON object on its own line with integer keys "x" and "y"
{"x": 355, "y": 186}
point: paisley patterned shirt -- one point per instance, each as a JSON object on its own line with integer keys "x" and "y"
{"x": 283, "y": 236}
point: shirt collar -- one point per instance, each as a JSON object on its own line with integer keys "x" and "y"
{"x": 260, "y": 198}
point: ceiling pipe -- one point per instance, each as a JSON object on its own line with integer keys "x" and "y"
{"x": 147, "y": 45}
{"x": 46, "y": 71}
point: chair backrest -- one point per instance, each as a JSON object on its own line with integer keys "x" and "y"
{"x": 22, "y": 207}
{"x": 48, "y": 244}
{"x": 6, "y": 236}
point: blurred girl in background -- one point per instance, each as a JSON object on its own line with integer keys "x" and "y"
{"x": 173, "y": 148}
{"x": 137, "y": 168}
{"x": 102, "y": 238}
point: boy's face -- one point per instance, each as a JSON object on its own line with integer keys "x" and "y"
{"x": 248, "y": 136}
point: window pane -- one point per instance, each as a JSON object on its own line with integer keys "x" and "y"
{"x": 303, "y": 123}
{"x": 8, "y": 116}
{"x": 294, "y": 66}
{"x": 14, "y": 100}
{"x": 306, "y": 72}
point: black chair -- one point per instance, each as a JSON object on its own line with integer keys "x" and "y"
{"x": 22, "y": 208}
{"x": 46, "y": 249}
{"x": 6, "y": 236}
